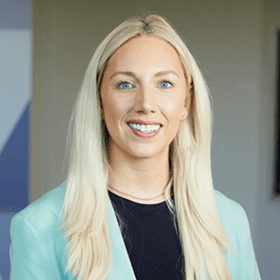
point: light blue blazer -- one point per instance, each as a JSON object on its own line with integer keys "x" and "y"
{"x": 38, "y": 251}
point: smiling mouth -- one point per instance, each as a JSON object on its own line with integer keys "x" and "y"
{"x": 145, "y": 128}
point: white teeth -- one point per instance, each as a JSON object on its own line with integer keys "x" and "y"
{"x": 144, "y": 128}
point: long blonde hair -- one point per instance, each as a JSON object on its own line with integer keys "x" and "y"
{"x": 84, "y": 218}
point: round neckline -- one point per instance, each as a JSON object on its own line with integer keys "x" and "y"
{"x": 138, "y": 203}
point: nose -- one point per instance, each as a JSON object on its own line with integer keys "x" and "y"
{"x": 145, "y": 101}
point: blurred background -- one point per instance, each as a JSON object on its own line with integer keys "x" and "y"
{"x": 45, "y": 47}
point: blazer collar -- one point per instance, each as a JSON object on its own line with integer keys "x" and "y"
{"x": 121, "y": 266}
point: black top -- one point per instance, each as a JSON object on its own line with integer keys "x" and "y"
{"x": 150, "y": 238}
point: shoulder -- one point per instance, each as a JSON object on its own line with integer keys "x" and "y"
{"x": 232, "y": 215}
{"x": 226, "y": 204}
{"x": 43, "y": 214}
{"x": 37, "y": 240}
{"x": 234, "y": 220}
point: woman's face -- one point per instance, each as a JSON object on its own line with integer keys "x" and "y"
{"x": 144, "y": 82}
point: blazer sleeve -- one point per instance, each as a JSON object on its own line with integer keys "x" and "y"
{"x": 29, "y": 259}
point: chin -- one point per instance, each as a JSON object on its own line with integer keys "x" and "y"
{"x": 143, "y": 152}
{"x": 141, "y": 156}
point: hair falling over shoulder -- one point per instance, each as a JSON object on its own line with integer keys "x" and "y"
{"x": 84, "y": 218}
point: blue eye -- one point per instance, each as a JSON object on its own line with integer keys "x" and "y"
{"x": 125, "y": 85}
{"x": 165, "y": 83}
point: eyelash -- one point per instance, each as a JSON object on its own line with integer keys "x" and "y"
{"x": 125, "y": 82}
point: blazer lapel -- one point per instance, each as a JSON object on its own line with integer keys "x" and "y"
{"x": 121, "y": 266}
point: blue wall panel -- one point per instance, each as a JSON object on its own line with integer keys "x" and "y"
{"x": 14, "y": 166}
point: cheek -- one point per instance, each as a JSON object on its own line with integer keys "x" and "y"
{"x": 115, "y": 108}
{"x": 173, "y": 107}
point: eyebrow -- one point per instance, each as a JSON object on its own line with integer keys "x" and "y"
{"x": 131, "y": 74}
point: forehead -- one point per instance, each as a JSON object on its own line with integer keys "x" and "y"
{"x": 145, "y": 53}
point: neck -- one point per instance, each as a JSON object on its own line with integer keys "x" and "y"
{"x": 143, "y": 178}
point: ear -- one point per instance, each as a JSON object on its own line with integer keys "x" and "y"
{"x": 187, "y": 106}
{"x": 184, "y": 113}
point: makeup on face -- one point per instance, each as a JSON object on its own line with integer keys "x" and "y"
{"x": 143, "y": 96}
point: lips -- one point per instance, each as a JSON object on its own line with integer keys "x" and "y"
{"x": 144, "y": 134}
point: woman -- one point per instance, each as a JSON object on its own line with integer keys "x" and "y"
{"x": 138, "y": 202}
